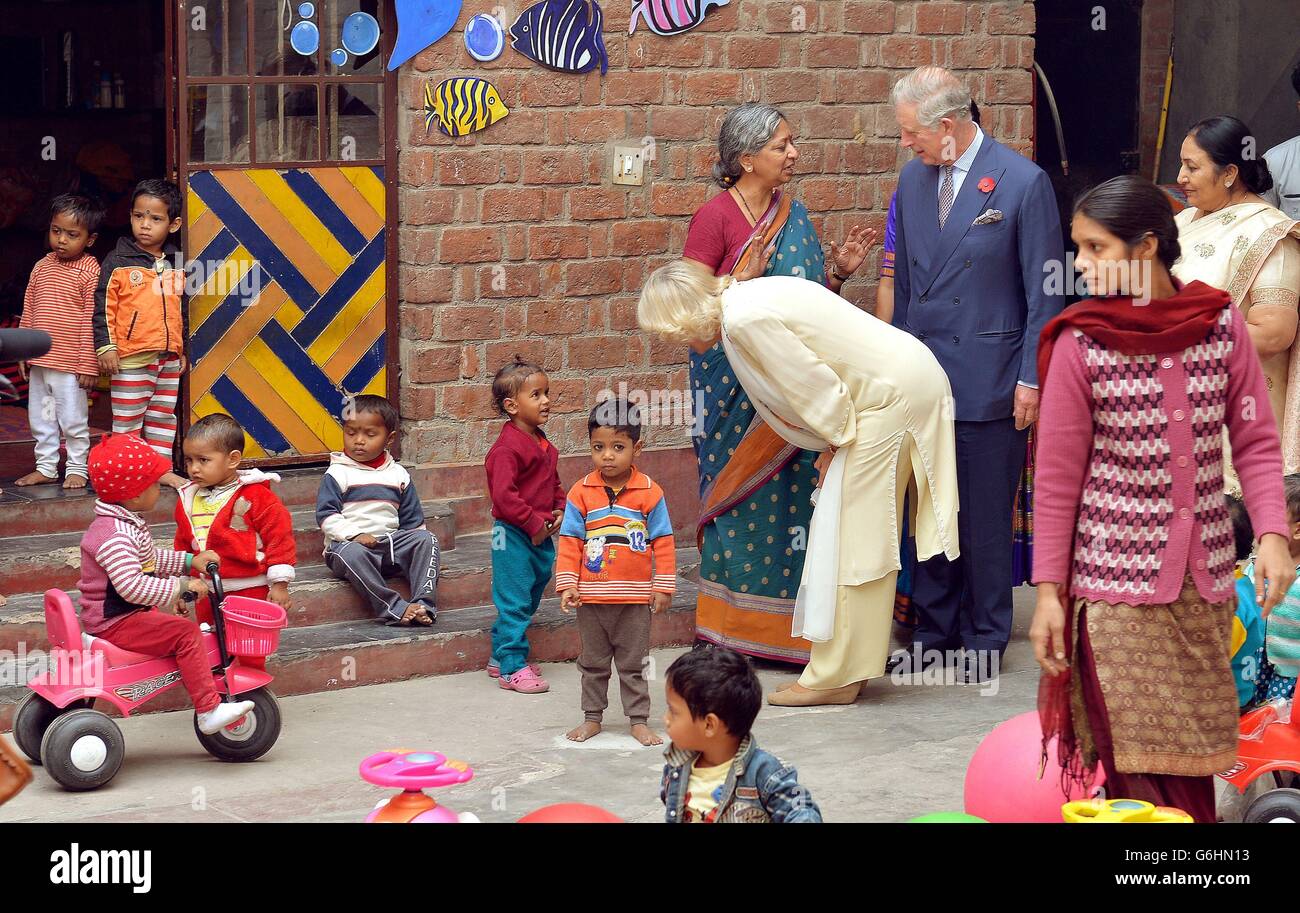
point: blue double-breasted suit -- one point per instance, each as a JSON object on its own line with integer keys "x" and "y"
{"x": 978, "y": 296}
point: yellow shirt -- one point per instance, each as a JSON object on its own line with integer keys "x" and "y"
{"x": 207, "y": 504}
{"x": 703, "y": 792}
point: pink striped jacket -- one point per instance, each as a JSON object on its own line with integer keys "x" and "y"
{"x": 122, "y": 570}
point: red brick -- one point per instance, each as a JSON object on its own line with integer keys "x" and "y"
{"x": 832, "y": 122}
{"x": 975, "y": 52}
{"x": 875, "y": 17}
{"x": 599, "y": 277}
{"x": 543, "y": 89}
{"x": 567, "y": 397}
{"x": 566, "y": 166}
{"x": 667, "y": 353}
{"x": 469, "y": 367}
{"x": 900, "y": 51}
{"x": 415, "y": 167}
{"x": 552, "y": 318}
{"x": 468, "y": 401}
{"x": 825, "y": 194}
{"x": 425, "y": 285}
{"x": 461, "y": 166}
{"x": 1009, "y": 87}
{"x": 421, "y": 206}
{"x": 622, "y": 314}
{"x": 1011, "y": 19}
{"x": 433, "y": 365}
{"x": 677, "y": 199}
{"x": 521, "y": 127}
{"x": 469, "y": 245}
{"x": 940, "y": 18}
{"x": 597, "y": 203}
{"x": 780, "y": 88}
{"x": 513, "y": 204}
{"x": 785, "y": 17}
{"x": 597, "y": 352}
{"x": 595, "y": 126}
{"x": 640, "y": 237}
{"x": 834, "y": 51}
{"x": 711, "y": 88}
{"x": 469, "y": 321}
{"x": 415, "y": 322}
{"x": 501, "y": 353}
{"x": 677, "y": 123}
{"x": 645, "y": 49}
{"x": 416, "y": 245}
{"x": 546, "y": 242}
{"x": 634, "y": 88}
{"x": 515, "y": 280}
{"x": 418, "y": 404}
{"x": 745, "y": 53}
{"x": 862, "y": 86}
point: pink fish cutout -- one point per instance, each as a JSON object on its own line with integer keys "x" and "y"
{"x": 671, "y": 17}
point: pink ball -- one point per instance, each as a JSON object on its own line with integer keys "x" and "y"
{"x": 570, "y": 813}
{"x": 1002, "y": 784}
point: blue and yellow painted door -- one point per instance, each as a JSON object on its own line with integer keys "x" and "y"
{"x": 291, "y": 315}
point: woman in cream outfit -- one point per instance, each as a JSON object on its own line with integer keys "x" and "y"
{"x": 873, "y": 400}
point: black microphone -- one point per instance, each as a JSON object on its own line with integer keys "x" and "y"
{"x": 20, "y": 345}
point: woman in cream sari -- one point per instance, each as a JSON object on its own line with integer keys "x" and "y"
{"x": 1233, "y": 240}
{"x": 873, "y": 400}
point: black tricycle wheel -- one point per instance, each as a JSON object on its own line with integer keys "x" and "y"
{"x": 250, "y": 737}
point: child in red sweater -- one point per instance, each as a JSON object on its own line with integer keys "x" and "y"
{"x": 1134, "y": 548}
{"x": 234, "y": 513}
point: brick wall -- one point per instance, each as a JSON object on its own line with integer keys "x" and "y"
{"x": 1157, "y": 35}
{"x": 514, "y": 240}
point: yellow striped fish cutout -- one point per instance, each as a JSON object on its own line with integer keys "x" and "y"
{"x": 462, "y": 105}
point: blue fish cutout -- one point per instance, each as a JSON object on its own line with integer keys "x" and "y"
{"x": 671, "y": 17}
{"x": 419, "y": 24}
{"x": 563, "y": 35}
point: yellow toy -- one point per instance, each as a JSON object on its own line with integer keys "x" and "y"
{"x": 1121, "y": 811}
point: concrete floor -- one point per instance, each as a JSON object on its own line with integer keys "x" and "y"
{"x": 899, "y": 752}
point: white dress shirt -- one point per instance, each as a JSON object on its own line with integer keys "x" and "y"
{"x": 963, "y": 165}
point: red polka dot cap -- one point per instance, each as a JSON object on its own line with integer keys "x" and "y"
{"x": 122, "y": 466}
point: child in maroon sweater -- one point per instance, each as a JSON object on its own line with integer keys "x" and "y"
{"x": 1134, "y": 548}
{"x": 527, "y": 504}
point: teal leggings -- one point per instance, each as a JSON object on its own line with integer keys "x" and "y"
{"x": 520, "y": 572}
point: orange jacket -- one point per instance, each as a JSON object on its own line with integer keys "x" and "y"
{"x": 137, "y": 308}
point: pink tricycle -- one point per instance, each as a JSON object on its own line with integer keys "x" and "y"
{"x": 57, "y": 726}
{"x": 412, "y": 772}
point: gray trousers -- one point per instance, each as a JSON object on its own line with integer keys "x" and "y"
{"x": 409, "y": 553}
{"x": 618, "y": 632}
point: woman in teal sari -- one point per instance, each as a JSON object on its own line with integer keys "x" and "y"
{"x": 754, "y": 487}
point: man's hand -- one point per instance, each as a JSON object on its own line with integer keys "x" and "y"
{"x": 204, "y": 558}
{"x": 109, "y": 363}
{"x": 1026, "y": 409}
{"x": 365, "y": 539}
{"x": 279, "y": 594}
{"x": 659, "y": 603}
{"x": 87, "y": 382}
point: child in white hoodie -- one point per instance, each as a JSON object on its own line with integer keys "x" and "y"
{"x": 372, "y": 519}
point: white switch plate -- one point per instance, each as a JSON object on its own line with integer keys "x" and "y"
{"x": 629, "y": 165}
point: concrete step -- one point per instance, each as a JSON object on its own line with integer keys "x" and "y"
{"x": 346, "y": 654}
{"x": 34, "y": 564}
{"x": 318, "y": 597}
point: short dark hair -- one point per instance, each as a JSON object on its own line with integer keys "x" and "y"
{"x": 219, "y": 430}
{"x": 1225, "y": 140}
{"x": 1243, "y": 534}
{"x": 375, "y": 405}
{"x": 166, "y": 191}
{"x": 974, "y": 111}
{"x": 506, "y": 383}
{"x": 720, "y": 681}
{"x": 1131, "y": 207}
{"x": 1291, "y": 488}
{"x": 617, "y": 413}
{"x": 87, "y": 210}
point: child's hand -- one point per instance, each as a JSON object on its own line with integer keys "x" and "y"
{"x": 196, "y": 585}
{"x": 22, "y": 369}
{"x": 87, "y": 381}
{"x": 1274, "y": 566}
{"x": 204, "y": 558}
{"x": 1047, "y": 631}
{"x": 569, "y": 600}
{"x": 543, "y": 534}
{"x": 660, "y": 602}
{"x": 559, "y": 518}
{"x": 109, "y": 363}
{"x": 366, "y": 539}
{"x": 184, "y": 363}
{"x": 279, "y": 594}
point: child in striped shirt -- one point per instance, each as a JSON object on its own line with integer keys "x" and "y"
{"x": 60, "y": 300}
{"x": 615, "y": 522}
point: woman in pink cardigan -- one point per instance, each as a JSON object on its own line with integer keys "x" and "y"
{"x": 1133, "y": 551}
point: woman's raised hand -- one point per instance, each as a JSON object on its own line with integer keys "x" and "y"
{"x": 756, "y": 265}
{"x": 849, "y": 257}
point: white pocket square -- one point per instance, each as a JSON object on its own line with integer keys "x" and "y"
{"x": 988, "y": 217}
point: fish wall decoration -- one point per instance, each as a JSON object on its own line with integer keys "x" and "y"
{"x": 671, "y": 17}
{"x": 420, "y": 23}
{"x": 462, "y": 105}
{"x": 563, "y": 35}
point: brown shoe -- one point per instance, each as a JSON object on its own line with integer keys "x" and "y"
{"x": 785, "y": 685}
{"x": 798, "y": 696}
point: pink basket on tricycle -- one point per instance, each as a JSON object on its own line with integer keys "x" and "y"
{"x": 252, "y": 625}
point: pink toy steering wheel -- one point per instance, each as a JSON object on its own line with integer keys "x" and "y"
{"x": 414, "y": 770}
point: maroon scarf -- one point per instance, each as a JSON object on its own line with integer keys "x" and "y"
{"x": 1159, "y": 326}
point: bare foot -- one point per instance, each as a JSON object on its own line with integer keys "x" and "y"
{"x": 71, "y": 482}
{"x": 172, "y": 479}
{"x": 645, "y": 735}
{"x": 581, "y": 733}
{"x": 3, "y": 600}
{"x": 36, "y": 477}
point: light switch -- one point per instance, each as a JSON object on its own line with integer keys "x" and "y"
{"x": 629, "y": 165}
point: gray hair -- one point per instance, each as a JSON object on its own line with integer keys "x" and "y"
{"x": 937, "y": 94}
{"x": 745, "y": 130}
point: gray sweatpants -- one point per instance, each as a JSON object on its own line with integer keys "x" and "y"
{"x": 620, "y": 633}
{"x": 409, "y": 553}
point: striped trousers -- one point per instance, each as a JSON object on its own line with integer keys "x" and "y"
{"x": 144, "y": 402}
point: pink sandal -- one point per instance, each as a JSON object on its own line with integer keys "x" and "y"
{"x": 525, "y": 681}
{"x": 494, "y": 669}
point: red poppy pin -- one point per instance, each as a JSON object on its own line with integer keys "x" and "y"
{"x": 986, "y": 185}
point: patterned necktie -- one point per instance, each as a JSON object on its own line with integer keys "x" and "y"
{"x": 945, "y": 195}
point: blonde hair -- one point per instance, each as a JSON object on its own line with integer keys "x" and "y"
{"x": 682, "y": 302}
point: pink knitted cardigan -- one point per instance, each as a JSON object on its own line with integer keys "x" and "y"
{"x": 1129, "y": 488}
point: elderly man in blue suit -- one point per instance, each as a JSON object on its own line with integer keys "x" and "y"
{"x": 978, "y": 239}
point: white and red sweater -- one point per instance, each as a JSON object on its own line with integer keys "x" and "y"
{"x": 122, "y": 570}
{"x": 252, "y": 533}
